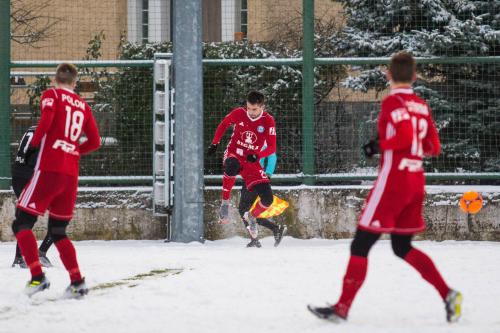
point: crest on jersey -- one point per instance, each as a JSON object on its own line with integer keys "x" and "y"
{"x": 260, "y": 129}
{"x": 47, "y": 102}
{"x": 249, "y": 137}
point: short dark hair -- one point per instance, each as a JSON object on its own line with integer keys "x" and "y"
{"x": 66, "y": 73}
{"x": 255, "y": 97}
{"x": 402, "y": 67}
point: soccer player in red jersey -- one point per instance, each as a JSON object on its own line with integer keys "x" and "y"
{"x": 406, "y": 133}
{"x": 65, "y": 116}
{"x": 253, "y": 128}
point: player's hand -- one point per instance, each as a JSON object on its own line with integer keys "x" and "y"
{"x": 211, "y": 150}
{"x": 371, "y": 148}
{"x": 252, "y": 158}
{"x": 29, "y": 153}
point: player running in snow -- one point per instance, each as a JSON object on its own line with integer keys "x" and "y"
{"x": 406, "y": 133}
{"x": 247, "y": 198}
{"x": 253, "y": 127}
{"x": 22, "y": 171}
{"x": 65, "y": 116}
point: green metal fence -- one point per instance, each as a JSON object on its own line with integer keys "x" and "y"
{"x": 120, "y": 94}
{"x": 320, "y": 63}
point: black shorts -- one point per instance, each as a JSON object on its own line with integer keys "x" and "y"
{"x": 247, "y": 199}
{"x": 18, "y": 184}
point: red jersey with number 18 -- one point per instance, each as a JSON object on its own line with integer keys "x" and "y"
{"x": 65, "y": 116}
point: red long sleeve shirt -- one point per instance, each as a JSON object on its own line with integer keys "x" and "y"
{"x": 249, "y": 134}
{"x": 65, "y": 116}
{"x": 406, "y": 133}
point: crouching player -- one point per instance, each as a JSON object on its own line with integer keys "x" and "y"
{"x": 247, "y": 198}
{"x": 65, "y": 116}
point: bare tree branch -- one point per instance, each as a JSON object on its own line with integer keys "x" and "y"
{"x": 28, "y": 25}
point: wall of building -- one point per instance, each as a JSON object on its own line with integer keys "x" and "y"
{"x": 77, "y": 23}
{"x": 266, "y": 17}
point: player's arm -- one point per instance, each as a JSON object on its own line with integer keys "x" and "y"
{"x": 219, "y": 132}
{"x": 93, "y": 138}
{"x": 223, "y": 126}
{"x": 397, "y": 115}
{"x": 431, "y": 143}
{"x": 47, "y": 108}
{"x": 271, "y": 164}
{"x": 270, "y": 140}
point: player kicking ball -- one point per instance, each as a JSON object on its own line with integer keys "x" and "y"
{"x": 406, "y": 133}
{"x": 253, "y": 128}
{"x": 247, "y": 198}
{"x": 65, "y": 116}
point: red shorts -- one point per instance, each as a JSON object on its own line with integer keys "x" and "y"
{"x": 252, "y": 173}
{"x": 49, "y": 190}
{"x": 393, "y": 212}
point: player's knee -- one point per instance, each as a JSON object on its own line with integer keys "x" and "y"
{"x": 23, "y": 221}
{"x": 57, "y": 229}
{"x": 231, "y": 167}
{"x": 265, "y": 193}
{"x": 362, "y": 243}
{"x": 401, "y": 245}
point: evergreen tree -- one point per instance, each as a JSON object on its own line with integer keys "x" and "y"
{"x": 465, "y": 98}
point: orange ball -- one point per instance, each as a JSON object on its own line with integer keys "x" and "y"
{"x": 471, "y": 202}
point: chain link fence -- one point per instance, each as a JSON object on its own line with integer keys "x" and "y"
{"x": 459, "y": 76}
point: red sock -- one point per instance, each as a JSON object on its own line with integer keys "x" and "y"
{"x": 68, "y": 257}
{"x": 353, "y": 279}
{"x": 29, "y": 249}
{"x": 424, "y": 265}
{"x": 258, "y": 209}
{"x": 227, "y": 186}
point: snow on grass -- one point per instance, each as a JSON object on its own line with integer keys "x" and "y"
{"x": 222, "y": 287}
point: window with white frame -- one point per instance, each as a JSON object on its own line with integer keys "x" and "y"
{"x": 244, "y": 18}
{"x": 145, "y": 21}
{"x": 234, "y": 19}
{"x": 148, "y": 21}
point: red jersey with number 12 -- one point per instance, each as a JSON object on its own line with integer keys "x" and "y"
{"x": 65, "y": 116}
{"x": 407, "y": 132}
{"x": 249, "y": 134}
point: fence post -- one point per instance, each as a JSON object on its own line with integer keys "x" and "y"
{"x": 4, "y": 94}
{"x": 187, "y": 224}
{"x": 308, "y": 92}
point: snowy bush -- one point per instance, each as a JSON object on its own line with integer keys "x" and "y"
{"x": 464, "y": 97}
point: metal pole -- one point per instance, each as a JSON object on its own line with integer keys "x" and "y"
{"x": 308, "y": 92}
{"x": 187, "y": 224}
{"x": 4, "y": 94}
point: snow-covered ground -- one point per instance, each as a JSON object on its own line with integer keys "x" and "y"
{"x": 225, "y": 287}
